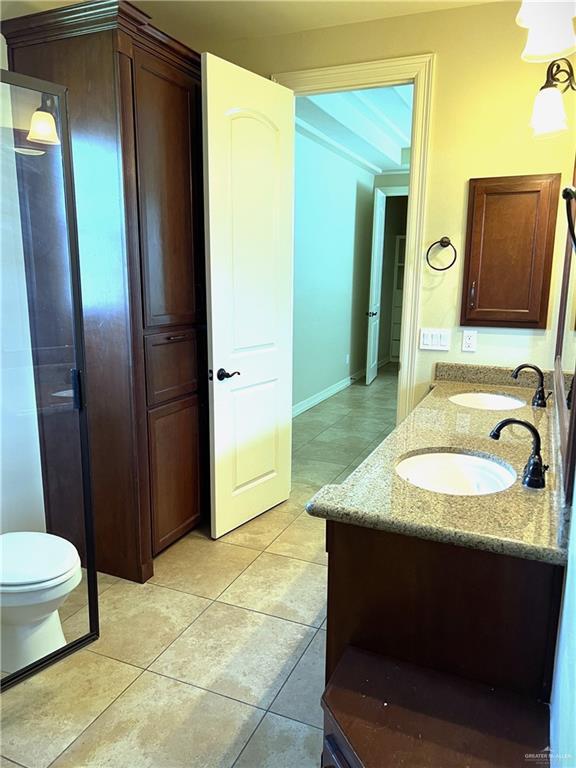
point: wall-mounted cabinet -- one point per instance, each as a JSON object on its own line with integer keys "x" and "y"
{"x": 134, "y": 103}
{"x": 509, "y": 246}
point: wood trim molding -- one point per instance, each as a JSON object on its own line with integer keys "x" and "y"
{"x": 90, "y": 17}
{"x": 418, "y": 70}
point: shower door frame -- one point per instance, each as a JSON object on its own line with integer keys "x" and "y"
{"x": 43, "y": 86}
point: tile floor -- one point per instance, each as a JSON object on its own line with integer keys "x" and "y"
{"x": 218, "y": 661}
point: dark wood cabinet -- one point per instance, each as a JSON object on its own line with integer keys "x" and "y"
{"x": 509, "y": 247}
{"x": 165, "y": 102}
{"x": 379, "y": 711}
{"x": 134, "y": 111}
{"x": 174, "y": 470}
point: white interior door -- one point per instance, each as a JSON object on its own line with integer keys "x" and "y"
{"x": 248, "y": 176}
{"x": 374, "y": 306}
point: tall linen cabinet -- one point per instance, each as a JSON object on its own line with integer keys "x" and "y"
{"x": 134, "y": 109}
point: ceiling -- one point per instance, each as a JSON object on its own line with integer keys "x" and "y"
{"x": 196, "y": 20}
{"x": 371, "y": 126}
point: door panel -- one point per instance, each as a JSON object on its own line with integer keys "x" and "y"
{"x": 374, "y": 307}
{"x": 249, "y": 141}
{"x": 165, "y": 129}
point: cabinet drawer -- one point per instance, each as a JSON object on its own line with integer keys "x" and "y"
{"x": 171, "y": 366}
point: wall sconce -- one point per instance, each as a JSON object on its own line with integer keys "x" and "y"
{"x": 43, "y": 125}
{"x": 550, "y": 29}
{"x": 548, "y": 115}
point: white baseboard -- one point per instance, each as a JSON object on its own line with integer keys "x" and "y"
{"x": 319, "y": 397}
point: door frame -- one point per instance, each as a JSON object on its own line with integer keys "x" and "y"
{"x": 416, "y": 70}
{"x": 386, "y": 192}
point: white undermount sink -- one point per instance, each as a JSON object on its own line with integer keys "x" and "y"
{"x": 457, "y": 474}
{"x": 487, "y": 401}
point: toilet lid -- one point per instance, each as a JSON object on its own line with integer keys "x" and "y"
{"x": 30, "y": 557}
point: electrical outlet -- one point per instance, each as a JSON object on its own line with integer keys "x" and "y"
{"x": 469, "y": 341}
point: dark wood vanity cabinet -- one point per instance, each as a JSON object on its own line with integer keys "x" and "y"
{"x": 134, "y": 110}
{"x": 509, "y": 248}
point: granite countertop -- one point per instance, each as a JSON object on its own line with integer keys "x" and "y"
{"x": 521, "y": 522}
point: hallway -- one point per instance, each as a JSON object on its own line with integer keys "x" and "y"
{"x": 330, "y": 440}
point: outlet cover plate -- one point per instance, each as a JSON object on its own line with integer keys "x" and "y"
{"x": 469, "y": 341}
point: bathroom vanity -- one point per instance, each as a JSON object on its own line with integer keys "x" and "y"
{"x": 468, "y": 586}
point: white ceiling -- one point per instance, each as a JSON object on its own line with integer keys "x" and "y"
{"x": 195, "y": 20}
{"x": 371, "y": 126}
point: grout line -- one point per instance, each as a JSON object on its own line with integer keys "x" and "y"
{"x": 83, "y": 731}
{"x": 268, "y": 710}
{"x": 271, "y": 615}
{"x": 206, "y": 690}
{"x": 179, "y": 635}
{"x": 293, "y": 557}
{"x": 292, "y": 670}
{"x": 21, "y": 765}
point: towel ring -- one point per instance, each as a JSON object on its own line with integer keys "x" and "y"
{"x": 444, "y": 242}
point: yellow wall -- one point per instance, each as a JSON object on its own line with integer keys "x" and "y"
{"x": 483, "y": 94}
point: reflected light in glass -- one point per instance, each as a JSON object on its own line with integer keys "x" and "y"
{"x": 43, "y": 128}
{"x": 548, "y": 115}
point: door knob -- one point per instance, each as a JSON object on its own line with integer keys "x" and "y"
{"x": 371, "y": 314}
{"x": 223, "y": 374}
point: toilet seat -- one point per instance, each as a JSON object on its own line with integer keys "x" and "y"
{"x": 32, "y": 560}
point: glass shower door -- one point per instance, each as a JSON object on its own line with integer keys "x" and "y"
{"x": 44, "y": 462}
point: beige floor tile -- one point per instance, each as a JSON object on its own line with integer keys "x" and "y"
{"x": 139, "y": 621}
{"x": 368, "y": 426}
{"x": 201, "y": 567}
{"x": 312, "y": 471}
{"x": 282, "y": 743}
{"x": 281, "y": 586}
{"x": 301, "y": 493}
{"x": 43, "y": 715}
{"x": 304, "y": 539}
{"x": 301, "y": 693}
{"x": 262, "y": 531}
{"x": 335, "y": 450}
{"x": 161, "y": 723}
{"x": 237, "y": 653}
{"x": 78, "y": 598}
{"x": 5, "y": 763}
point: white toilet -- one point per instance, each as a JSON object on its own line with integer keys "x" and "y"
{"x": 37, "y": 573}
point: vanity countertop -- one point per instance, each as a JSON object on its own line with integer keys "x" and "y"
{"x": 520, "y": 522}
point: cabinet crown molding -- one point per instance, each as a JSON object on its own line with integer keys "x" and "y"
{"x": 88, "y": 18}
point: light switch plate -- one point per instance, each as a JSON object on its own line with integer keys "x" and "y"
{"x": 435, "y": 339}
{"x": 469, "y": 341}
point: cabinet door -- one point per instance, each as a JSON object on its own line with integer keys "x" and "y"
{"x": 174, "y": 470}
{"x": 168, "y": 141}
{"x": 510, "y": 239}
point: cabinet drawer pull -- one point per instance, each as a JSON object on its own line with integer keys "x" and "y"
{"x": 472, "y": 301}
{"x": 176, "y": 338}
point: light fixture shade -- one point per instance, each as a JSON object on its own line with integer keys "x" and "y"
{"x": 43, "y": 128}
{"x": 548, "y": 115}
{"x": 550, "y": 29}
